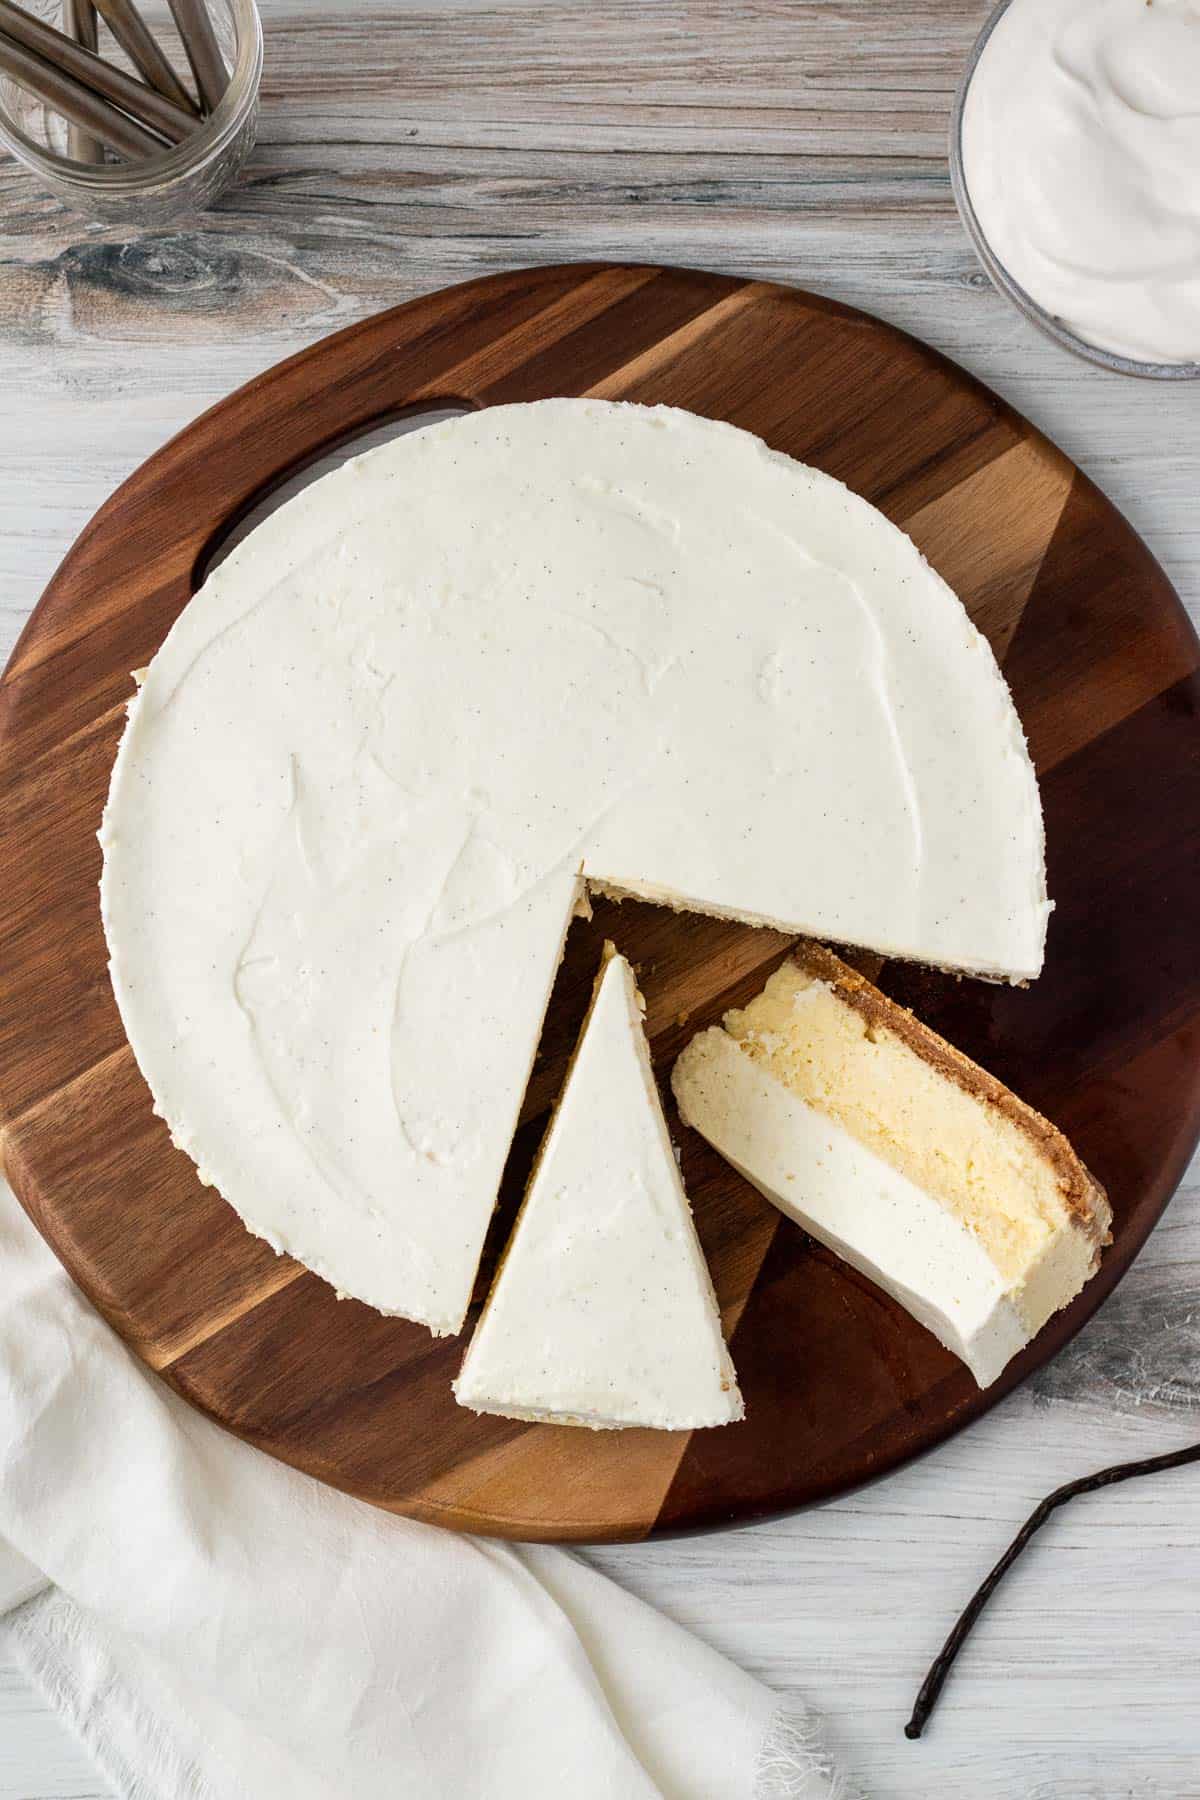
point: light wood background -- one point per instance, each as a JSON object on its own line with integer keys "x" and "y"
{"x": 403, "y": 147}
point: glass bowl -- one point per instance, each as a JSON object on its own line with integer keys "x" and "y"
{"x": 182, "y": 178}
{"x": 1046, "y": 321}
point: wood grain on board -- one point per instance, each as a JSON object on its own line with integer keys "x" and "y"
{"x": 840, "y": 1385}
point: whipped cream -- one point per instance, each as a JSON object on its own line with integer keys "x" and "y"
{"x": 1081, "y": 157}
{"x": 386, "y": 746}
{"x": 603, "y": 1313}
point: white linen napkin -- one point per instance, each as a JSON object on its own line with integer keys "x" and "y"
{"x": 219, "y": 1627}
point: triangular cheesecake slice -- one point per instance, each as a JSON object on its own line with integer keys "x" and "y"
{"x": 603, "y": 1311}
{"x": 900, "y": 1154}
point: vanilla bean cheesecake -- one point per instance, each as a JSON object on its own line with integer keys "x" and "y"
{"x": 900, "y": 1154}
{"x": 603, "y": 1312}
{"x": 396, "y": 736}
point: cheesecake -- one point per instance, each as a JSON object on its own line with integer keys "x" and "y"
{"x": 603, "y": 1313}
{"x": 422, "y": 709}
{"x": 900, "y": 1154}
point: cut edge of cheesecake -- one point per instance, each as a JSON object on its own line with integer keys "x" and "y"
{"x": 596, "y": 885}
{"x": 498, "y": 1373}
{"x": 900, "y": 1153}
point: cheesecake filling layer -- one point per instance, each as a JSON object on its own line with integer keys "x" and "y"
{"x": 390, "y": 742}
{"x": 848, "y": 1197}
{"x": 972, "y": 1160}
{"x": 910, "y": 1162}
{"x": 603, "y": 1312}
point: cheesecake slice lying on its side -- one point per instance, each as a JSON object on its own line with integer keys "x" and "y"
{"x": 603, "y": 1312}
{"x": 900, "y": 1154}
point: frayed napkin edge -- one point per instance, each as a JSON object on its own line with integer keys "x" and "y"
{"x": 40, "y": 1636}
{"x": 793, "y": 1758}
{"x": 43, "y": 1637}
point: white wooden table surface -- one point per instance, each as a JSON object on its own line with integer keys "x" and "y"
{"x": 404, "y": 146}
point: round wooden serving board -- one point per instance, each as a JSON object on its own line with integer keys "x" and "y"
{"x": 840, "y": 1385}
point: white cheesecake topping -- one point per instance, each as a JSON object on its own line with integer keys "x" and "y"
{"x": 385, "y": 746}
{"x": 603, "y": 1313}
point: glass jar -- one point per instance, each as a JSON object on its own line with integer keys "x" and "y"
{"x": 183, "y": 177}
{"x": 1000, "y": 276}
